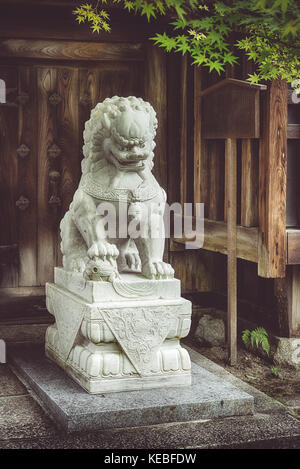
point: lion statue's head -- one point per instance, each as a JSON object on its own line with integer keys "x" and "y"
{"x": 120, "y": 131}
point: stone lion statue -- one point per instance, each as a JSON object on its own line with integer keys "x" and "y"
{"x": 116, "y": 169}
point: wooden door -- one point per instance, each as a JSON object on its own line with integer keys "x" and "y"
{"x": 41, "y": 150}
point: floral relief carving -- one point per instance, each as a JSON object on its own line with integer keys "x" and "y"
{"x": 140, "y": 332}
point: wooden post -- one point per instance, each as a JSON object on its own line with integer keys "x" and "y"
{"x": 272, "y": 182}
{"x": 231, "y": 178}
{"x": 183, "y": 132}
{"x": 241, "y": 120}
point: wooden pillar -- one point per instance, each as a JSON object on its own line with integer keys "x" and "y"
{"x": 231, "y": 177}
{"x": 272, "y": 182}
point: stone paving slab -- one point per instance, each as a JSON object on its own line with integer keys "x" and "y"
{"x": 21, "y": 417}
{"x": 251, "y": 431}
{"x": 74, "y": 409}
{"x": 10, "y": 385}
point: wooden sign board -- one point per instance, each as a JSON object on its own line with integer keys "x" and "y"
{"x": 230, "y": 109}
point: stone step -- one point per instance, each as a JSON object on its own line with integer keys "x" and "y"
{"x": 73, "y": 409}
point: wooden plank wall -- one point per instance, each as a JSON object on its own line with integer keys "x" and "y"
{"x": 59, "y": 81}
{"x": 8, "y": 185}
{"x": 190, "y": 168}
{"x": 27, "y": 176}
{"x": 261, "y": 209}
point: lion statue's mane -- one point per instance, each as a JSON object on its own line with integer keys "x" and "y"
{"x": 102, "y": 124}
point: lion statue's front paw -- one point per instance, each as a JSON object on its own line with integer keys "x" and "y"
{"x": 157, "y": 270}
{"x": 104, "y": 250}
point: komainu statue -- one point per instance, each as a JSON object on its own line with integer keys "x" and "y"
{"x": 119, "y": 314}
{"x": 118, "y": 150}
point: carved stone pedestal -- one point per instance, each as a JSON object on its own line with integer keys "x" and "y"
{"x": 119, "y": 336}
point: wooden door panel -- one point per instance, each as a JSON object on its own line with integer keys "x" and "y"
{"x": 48, "y": 125}
{"x": 105, "y": 81}
{"x": 47, "y": 217}
{"x": 68, "y": 162}
{"x": 8, "y": 182}
{"x": 27, "y": 176}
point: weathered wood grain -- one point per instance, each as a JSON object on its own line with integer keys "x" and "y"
{"x": 231, "y": 199}
{"x": 272, "y": 182}
{"x": 293, "y": 246}
{"x": 215, "y": 179}
{"x": 47, "y": 226}
{"x": 293, "y": 131}
{"x": 89, "y": 83}
{"x": 173, "y": 127}
{"x": 35, "y": 19}
{"x": 215, "y": 239}
{"x": 183, "y": 132}
{"x": 199, "y": 147}
{"x": 194, "y": 269}
{"x": 8, "y": 184}
{"x": 156, "y": 94}
{"x": 27, "y": 178}
{"x": 249, "y": 184}
{"x": 68, "y": 162}
{"x": 70, "y": 50}
{"x": 238, "y": 103}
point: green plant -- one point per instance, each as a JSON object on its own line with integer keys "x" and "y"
{"x": 275, "y": 372}
{"x": 256, "y": 338}
{"x": 212, "y": 32}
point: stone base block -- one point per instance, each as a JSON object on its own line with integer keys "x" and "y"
{"x": 108, "y": 369}
{"x": 209, "y": 396}
{"x": 131, "y": 382}
{"x": 120, "y": 343}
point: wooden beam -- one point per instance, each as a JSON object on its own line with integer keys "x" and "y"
{"x": 247, "y": 241}
{"x": 215, "y": 240}
{"x": 70, "y": 50}
{"x": 272, "y": 182}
